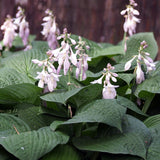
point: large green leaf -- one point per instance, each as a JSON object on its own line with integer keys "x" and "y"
{"x": 22, "y": 62}
{"x": 102, "y": 111}
{"x": 129, "y": 104}
{"x": 134, "y": 140}
{"x": 10, "y": 77}
{"x": 152, "y": 121}
{"x": 60, "y": 97}
{"x": 19, "y": 93}
{"x": 154, "y": 148}
{"x": 33, "y": 116}
{"x": 10, "y": 125}
{"x": 78, "y": 95}
{"x": 87, "y": 94}
{"x": 40, "y": 45}
{"x": 63, "y": 152}
{"x": 133, "y": 45}
{"x": 127, "y": 77}
{"x": 151, "y": 85}
{"x": 33, "y": 144}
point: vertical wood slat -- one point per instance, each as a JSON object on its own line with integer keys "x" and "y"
{"x": 98, "y": 20}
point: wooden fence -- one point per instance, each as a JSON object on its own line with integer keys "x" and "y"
{"x": 98, "y": 20}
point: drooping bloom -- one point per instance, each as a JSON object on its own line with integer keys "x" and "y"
{"x": 142, "y": 58}
{"x": 109, "y": 91}
{"x": 9, "y": 29}
{"x": 23, "y": 25}
{"x": 50, "y": 29}
{"x": 64, "y": 54}
{"x": 130, "y": 18}
{"x": 48, "y": 75}
{"x": 82, "y": 64}
{"x": 139, "y": 74}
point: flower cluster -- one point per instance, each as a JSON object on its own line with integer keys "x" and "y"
{"x": 50, "y": 30}
{"x": 130, "y": 18}
{"x": 48, "y": 74}
{"x": 66, "y": 58}
{"x": 9, "y": 29}
{"x": 11, "y": 25}
{"x": 23, "y": 25}
{"x": 142, "y": 58}
{"x": 82, "y": 64}
{"x": 109, "y": 91}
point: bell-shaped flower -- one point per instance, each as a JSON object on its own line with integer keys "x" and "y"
{"x": 50, "y": 29}
{"x": 52, "y": 81}
{"x": 43, "y": 77}
{"x": 99, "y": 81}
{"x": 139, "y": 74}
{"x": 9, "y": 29}
{"x": 129, "y": 63}
{"x": 23, "y": 25}
{"x": 109, "y": 91}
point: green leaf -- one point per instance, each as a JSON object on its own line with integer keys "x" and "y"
{"x": 87, "y": 94}
{"x": 132, "y": 141}
{"x": 34, "y": 144}
{"x": 154, "y": 148}
{"x": 33, "y": 116}
{"x": 10, "y": 77}
{"x": 129, "y": 104}
{"x": 10, "y": 125}
{"x": 152, "y": 121}
{"x": 19, "y": 93}
{"x": 60, "y": 97}
{"x": 102, "y": 111}
{"x": 63, "y": 152}
{"x": 149, "y": 86}
{"x": 133, "y": 45}
{"x": 40, "y": 45}
{"x": 18, "y": 41}
{"x": 22, "y": 62}
{"x": 127, "y": 77}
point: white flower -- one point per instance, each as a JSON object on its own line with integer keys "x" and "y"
{"x": 9, "y": 32}
{"x": 139, "y": 74}
{"x": 50, "y": 30}
{"x": 99, "y": 81}
{"x": 23, "y": 25}
{"x": 130, "y": 18}
{"x": 109, "y": 91}
{"x": 128, "y": 64}
{"x": 42, "y": 76}
{"x": 52, "y": 81}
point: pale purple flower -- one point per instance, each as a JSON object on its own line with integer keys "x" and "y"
{"x": 50, "y": 29}
{"x": 109, "y": 91}
{"x": 9, "y": 29}
{"x": 128, "y": 64}
{"x": 52, "y": 81}
{"x": 98, "y": 81}
{"x": 130, "y": 18}
{"x": 23, "y": 25}
{"x": 42, "y": 76}
{"x": 139, "y": 74}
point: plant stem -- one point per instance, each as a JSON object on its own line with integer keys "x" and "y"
{"x": 147, "y": 103}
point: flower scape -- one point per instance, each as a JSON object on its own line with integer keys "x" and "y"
{"x": 70, "y": 98}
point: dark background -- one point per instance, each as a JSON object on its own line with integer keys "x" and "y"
{"x": 97, "y": 20}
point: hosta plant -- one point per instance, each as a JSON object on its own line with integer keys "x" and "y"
{"x": 72, "y": 98}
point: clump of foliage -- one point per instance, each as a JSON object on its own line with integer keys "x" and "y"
{"x": 89, "y": 100}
